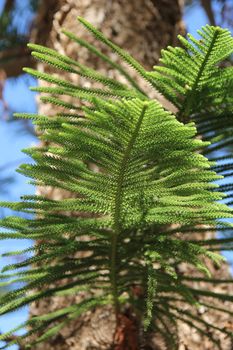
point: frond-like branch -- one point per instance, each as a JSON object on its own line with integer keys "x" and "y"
{"x": 154, "y": 186}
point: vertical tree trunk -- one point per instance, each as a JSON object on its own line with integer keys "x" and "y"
{"x": 143, "y": 27}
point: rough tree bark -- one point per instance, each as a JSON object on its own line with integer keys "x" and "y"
{"x": 143, "y": 27}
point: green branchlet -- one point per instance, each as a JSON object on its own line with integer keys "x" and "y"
{"x": 154, "y": 185}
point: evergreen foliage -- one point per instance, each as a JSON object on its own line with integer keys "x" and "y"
{"x": 125, "y": 225}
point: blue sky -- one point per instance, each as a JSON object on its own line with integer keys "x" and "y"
{"x": 13, "y": 138}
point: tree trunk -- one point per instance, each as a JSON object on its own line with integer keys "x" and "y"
{"x": 143, "y": 27}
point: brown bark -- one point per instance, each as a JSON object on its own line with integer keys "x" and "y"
{"x": 13, "y": 60}
{"x": 143, "y": 27}
{"x": 209, "y": 11}
{"x": 9, "y": 4}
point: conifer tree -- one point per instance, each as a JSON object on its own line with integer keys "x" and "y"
{"x": 126, "y": 242}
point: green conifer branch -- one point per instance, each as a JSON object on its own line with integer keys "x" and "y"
{"x": 153, "y": 188}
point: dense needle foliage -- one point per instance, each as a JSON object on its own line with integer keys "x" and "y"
{"x": 142, "y": 192}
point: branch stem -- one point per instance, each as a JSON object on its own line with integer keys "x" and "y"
{"x": 118, "y": 207}
{"x": 191, "y": 98}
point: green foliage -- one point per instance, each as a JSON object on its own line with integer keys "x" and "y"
{"x": 128, "y": 221}
{"x": 196, "y": 80}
